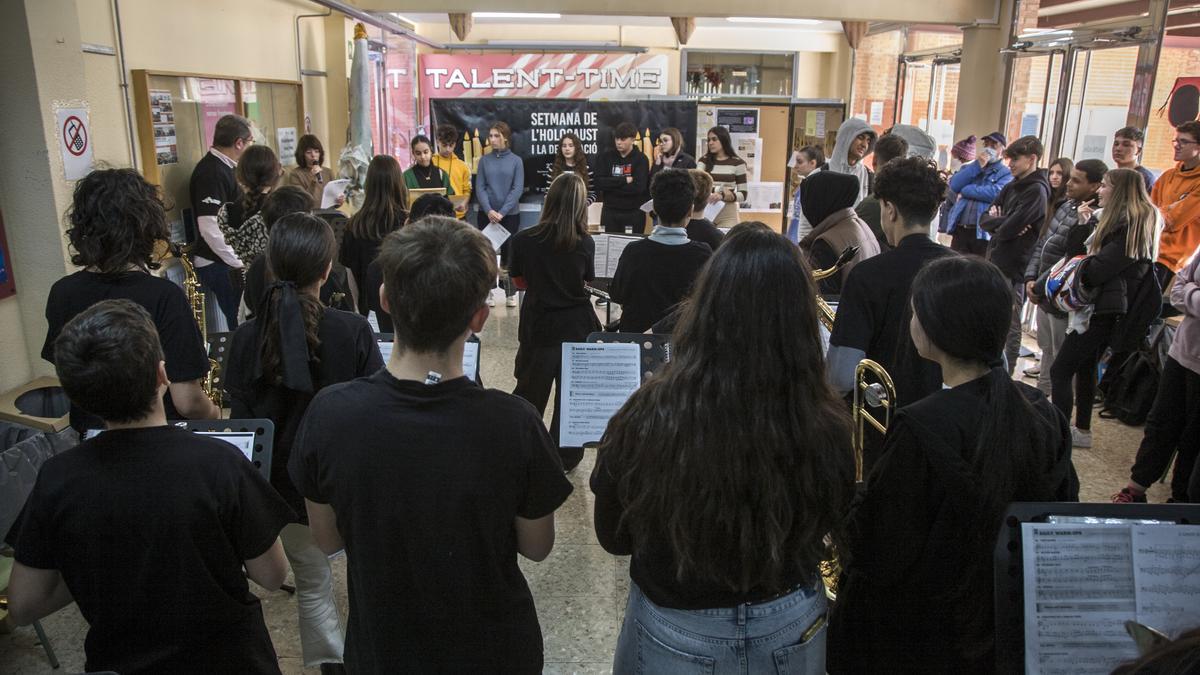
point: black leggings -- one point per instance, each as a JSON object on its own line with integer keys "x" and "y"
{"x": 1076, "y": 361}
{"x": 1170, "y": 426}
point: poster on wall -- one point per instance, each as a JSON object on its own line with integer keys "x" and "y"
{"x": 7, "y": 285}
{"x": 162, "y": 115}
{"x": 743, "y": 126}
{"x": 217, "y": 99}
{"x": 74, "y": 141}
{"x": 545, "y": 76}
{"x": 286, "y": 137}
{"x": 538, "y": 124}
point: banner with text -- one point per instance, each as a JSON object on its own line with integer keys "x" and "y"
{"x": 538, "y": 124}
{"x": 594, "y": 76}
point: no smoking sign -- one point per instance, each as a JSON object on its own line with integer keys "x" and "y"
{"x": 75, "y": 140}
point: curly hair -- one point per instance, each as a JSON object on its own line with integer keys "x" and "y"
{"x": 115, "y": 220}
{"x": 913, "y": 185}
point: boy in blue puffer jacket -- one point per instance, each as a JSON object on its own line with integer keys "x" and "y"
{"x": 977, "y": 185}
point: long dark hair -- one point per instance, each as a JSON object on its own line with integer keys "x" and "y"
{"x": 710, "y": 158}
{"x": 299, "y": 250}
{"x": 580, "y": 166}
{"x": 258, "y": 171}
{"x": 115, "y": 220}
{"x": 740, "y": 487}
{"x": 564, "y": 215}
{"x": 1004, "y": 462}
{"x": 1057, "y": 194}
{"x": 385, "y": 202}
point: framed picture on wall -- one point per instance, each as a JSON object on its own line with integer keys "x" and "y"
{"x": 7, "y": 285}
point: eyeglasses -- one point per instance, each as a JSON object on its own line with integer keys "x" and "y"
{"x": 1178, "y": 142}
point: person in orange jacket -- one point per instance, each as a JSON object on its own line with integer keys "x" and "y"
{"x": 1177, "y": 195}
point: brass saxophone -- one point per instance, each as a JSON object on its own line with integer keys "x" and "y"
{"x": 823, "y": 308}
{"x": 195, "y": 298}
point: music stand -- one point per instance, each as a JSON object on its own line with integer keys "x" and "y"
{"x": 391, "y": 337}
{"x": 656, "y": 348}
{"x": 1009, "y": 570}
{"x": 264, "y": 437}
{"x": 218, "y": 350}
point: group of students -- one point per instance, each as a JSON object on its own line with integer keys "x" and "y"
{"x": 725, "y": 476}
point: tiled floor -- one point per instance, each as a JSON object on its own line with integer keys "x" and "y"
{"x": 580, "y": 590}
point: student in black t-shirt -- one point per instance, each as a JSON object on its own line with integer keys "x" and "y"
{"x": 916, "y": 593}
{"x": 700, "y": 228}
{"x": 874, "y": 310}
{"x": 551, "y": 263}
{"x": 431, "y": 483}
{"x": 724, "y": 472}
{"x": 425, "y": 205}
{"x": 336, "y": 292}
{"x": 147, "y": 526}
{"x": 276, "y": 363}
{"x": 654, "y": 274}
{"x": 115, "y": 222}
{"x": 384, "y": 210}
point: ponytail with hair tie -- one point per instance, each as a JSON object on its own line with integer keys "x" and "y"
{"x": 285, "y": 313}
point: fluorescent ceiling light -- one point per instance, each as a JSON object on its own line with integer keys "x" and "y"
{"x": 515, "y": 15}
{"x": 763, "y": 19}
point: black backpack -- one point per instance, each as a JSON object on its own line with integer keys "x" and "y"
{"x": 1143, "y": 306}
{"x": 1128, "y": 387}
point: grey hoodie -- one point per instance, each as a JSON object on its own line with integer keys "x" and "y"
{"x": 846, "y": 134}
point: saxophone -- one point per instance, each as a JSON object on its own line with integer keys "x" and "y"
{"x": 824, "y": 311}
{"x": 195, "y": 298}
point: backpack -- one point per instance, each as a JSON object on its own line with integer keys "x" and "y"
{"x": 1128, "y": 388}
{"x": 1143, "y": 306}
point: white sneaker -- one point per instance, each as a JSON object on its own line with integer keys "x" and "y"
{"x": 1080, "y": 438}
{"x": 491, "y": 301}
{"x": 510, "y": 301}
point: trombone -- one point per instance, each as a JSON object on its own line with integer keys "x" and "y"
{"x": 867, "y": 395}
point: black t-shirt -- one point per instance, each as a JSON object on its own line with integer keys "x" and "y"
{"x": 653, "y": 566}
{"x": 348, "y": 350}
{"x": 910, "y": 532}
{"x": 426, "y": 481}
{"x": 652, "y": 277}
{"x": 703, "y": 230}
{"x": 875, "y": 309}
{"x": 183, "y": 346}
{"x": 212, "y": 184}
{"x": 149, "y": 528}
{"x": 556, "y": 309}
{"x": 356, "y": 254}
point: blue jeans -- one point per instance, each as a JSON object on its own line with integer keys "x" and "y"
{"x": 761, "y": 638}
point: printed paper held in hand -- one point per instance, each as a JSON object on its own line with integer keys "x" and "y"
{"x": 496, "y": 234}
{"x": 711, "y": 211}
{"x": 597, "y": 379}
{"x": 333, "y": 190}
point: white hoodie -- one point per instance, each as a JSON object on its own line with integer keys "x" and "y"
{"x": 846, "y": 134}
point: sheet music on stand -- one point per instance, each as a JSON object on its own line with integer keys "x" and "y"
{"x": 1083, "y": 576}
{"x": 596, "y": 380}
{"x": 470, "y": 352}
{"x": 609, "y": 248}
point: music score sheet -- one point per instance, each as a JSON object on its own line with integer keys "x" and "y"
{"x": 597, "y": 379}
{"x": 609, "y": 248}
{"x": 470, "y": 362}
{"x": 1084, "y": 581}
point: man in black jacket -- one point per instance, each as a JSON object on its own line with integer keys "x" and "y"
{"x": 623, "y": 179}
{"x": 1016, "y": 222}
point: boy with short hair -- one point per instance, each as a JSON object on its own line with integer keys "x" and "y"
{"x": 1177, "y": 196}
{"x": 975, "y": 186}
{"x": 1016, "y": 223}
{"x": 431, "y": 483}
{"x": 1127, "y": 153}
{"x": 446, "y": 160}
{"x": 623, "y": 178}
{"x": 656, "y": 273}
{"x": 146, "y": 526}
{"x": 888, "y": 147}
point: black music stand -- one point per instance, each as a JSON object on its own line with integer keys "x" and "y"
{"x": 656, "y": 348}
{"x": 264, "y": 436}
{"x": 1009, "y": 571}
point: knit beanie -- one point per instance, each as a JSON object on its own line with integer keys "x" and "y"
{"x": 964, "y": 150}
